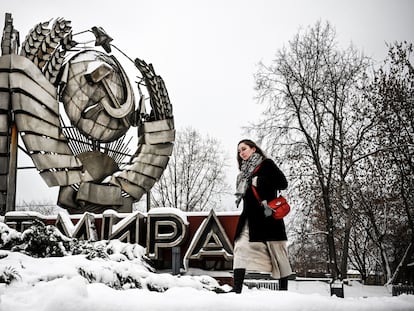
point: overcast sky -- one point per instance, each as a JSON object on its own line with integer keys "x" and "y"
{"x": 207, "y": 51}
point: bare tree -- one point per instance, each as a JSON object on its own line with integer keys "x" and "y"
{"x": 392, "y": 96}
{"x": 44, "y": 207}
{"x": 313, "y": 94}
{"x": 376, "y": 219}
{"x": 194, "y": 179}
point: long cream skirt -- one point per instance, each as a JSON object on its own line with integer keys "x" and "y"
{"x": 270, "y": 256}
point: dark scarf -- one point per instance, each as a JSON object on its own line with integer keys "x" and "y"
{"x": 243, "y": 179}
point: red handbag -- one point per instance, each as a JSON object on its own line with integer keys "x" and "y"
{"x": 279, "y": 205}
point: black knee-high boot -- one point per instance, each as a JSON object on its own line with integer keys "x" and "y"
{"x": 238, "y": 279}
{"x": 283, "y": 283}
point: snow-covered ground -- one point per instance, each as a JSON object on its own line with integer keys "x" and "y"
{"x": 115, "y": 276}
{"x": 55, "y": 284}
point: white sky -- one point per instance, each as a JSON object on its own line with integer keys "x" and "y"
{"x": 207, "y": 51}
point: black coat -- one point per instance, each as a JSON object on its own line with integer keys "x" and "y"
{"x": 261, "y": 228}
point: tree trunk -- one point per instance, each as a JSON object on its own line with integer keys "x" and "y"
{"x": 403, "y": 263}
{"x": 333, "y": 263}
{"x": 345, "y": 248}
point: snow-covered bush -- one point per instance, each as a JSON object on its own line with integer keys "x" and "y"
{"x": 118, "y": 265}
{"x": 8, "y": 237}
{"x": 42, "y": 240}
{"x": 90, "y": 249}
{"x": 9, "y": 274}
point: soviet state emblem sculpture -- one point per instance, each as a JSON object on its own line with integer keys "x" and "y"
{"x": 76, "y": 112}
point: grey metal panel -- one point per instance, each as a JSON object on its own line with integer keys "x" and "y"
{"x": 74, "y": 109}
{"x": 3, "y": 182}
{"x": 3, "y": 144}
{"x": 26, "y": 123}
{"x": 41, "y": 143}
{"x": 145, "y": 169}
{"x": 143, "y": 181}
{"x": 126, "y": 205}
{"x": 159, "y": 149}
{"x": 5, "y": 61}
{"x": 4, "y": 100}
{"x": 100, "y": 132}
{"x": 4, "y": 79}
{"x": 99, "y": 165}
{"x": 104, "y": 129}
{"x": 4, "y": 165}
{"x": 64, "y": 178}
{"x": 113, "y": 181}
{"x": 152, "y": 159}
{"x": 99, "y": 194}
{"x": 33, "y": 107}
{"x": 47, "y": 161}
{"x": 141, "y": 139}
{"x": 159, "y": 137}
{"x": 17, "y": 62}
{"x": 158, "y": 126}
{"x": 3, "y": 123}
{"x": 66, "y": 198}
{"x": 3, "y": 200}
{"x": 133, "y": 190}
{"x": 20, "y": 82}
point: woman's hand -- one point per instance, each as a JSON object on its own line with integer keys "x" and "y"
{"x": 267, "y": 210}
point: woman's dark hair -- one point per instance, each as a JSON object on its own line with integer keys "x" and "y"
{"x": 251, "y": 144}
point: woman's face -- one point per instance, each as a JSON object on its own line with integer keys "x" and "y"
{"x": 245, "y": 151}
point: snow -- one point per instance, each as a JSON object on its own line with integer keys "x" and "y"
{"x": 169, "y": 210}
{"x": 121, "y": 279}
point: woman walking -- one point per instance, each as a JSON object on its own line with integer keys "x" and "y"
{"x": 260, "y": 240}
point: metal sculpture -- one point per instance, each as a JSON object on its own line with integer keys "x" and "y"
{"x": 90, "y": 159}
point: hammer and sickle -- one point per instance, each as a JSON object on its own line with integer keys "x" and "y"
{"x": 97, "y": 72}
